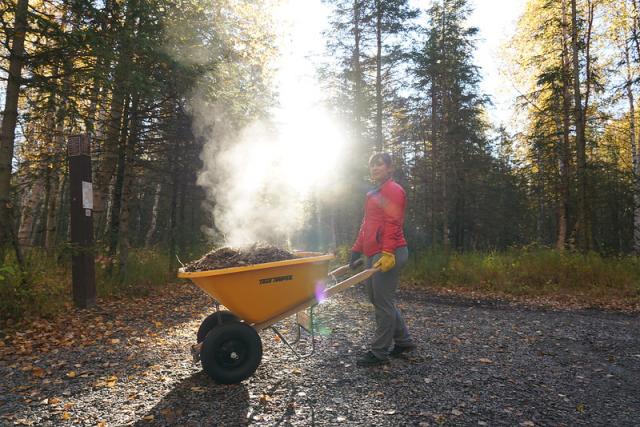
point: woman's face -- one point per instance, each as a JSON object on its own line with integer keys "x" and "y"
{"x": 379, "y": 171}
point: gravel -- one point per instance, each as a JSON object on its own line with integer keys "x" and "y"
{"x": 478, "y": 362}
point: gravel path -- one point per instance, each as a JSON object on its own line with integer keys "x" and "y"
{"x": 478, "y": 363}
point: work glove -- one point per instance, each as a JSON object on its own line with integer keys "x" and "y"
{"x": 353, "y": 261}
{"x": 386, "y": 262}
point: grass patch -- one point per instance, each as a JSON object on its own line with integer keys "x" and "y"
{"x": 146, "y": 269}
{"x": 529, "y": 272}
{"x": 43, "y": 288}
{"x": 38, "y": 290}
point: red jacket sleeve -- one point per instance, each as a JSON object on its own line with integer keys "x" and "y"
{"x": 394, "y": 201}
{"x": 358, "y": 245}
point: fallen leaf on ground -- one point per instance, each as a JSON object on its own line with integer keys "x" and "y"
{"x": 167, "y": 412}
{"x": 71, "y": 374}
{"x": 265, "y": 398}
{"x": 111, "y": 381}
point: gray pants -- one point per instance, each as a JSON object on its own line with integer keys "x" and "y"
{"x": 381, "y": 289}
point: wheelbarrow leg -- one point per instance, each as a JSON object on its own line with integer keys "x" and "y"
{"x": 310, "y": 330}
{"x": 284, "y": 340}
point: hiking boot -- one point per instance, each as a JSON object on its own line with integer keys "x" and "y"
{"x": 370, "y": 359}
{"x": 398, "y": 350}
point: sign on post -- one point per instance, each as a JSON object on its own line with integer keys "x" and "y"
{"x": 83, "y": 263}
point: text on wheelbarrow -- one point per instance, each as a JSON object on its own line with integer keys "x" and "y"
{"x": 277, "y": 279}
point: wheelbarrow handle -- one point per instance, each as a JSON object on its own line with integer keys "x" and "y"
{"x": 351, "y": 281}
{"x": 341, "y": 271}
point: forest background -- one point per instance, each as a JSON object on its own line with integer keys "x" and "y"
{"x": 194, "y": 144}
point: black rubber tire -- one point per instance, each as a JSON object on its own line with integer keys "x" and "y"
{"x": 213, "y": 320}
{"x": 231, "y": 352}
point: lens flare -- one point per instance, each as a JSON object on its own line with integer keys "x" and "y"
{"x": 321, "y": 292}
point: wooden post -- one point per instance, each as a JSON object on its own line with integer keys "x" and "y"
{"x": 83, "y": 263}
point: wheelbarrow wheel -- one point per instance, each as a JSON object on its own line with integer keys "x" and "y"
{"x": 213, "y": 320}
{"x": 231, "y": 352}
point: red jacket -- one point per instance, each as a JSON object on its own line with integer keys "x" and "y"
{"x": 381, "y": 229}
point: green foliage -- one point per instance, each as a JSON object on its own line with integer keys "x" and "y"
{"x": 146, "y": 269}
{"x": 38, "y": 290}
{"x": 529, "y": 271}
{"x": 45, "y": 286}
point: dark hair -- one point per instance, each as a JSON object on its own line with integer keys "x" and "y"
{"x": 385, "y": 157}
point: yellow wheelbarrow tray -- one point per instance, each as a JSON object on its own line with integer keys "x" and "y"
{"x": 257, "y": 297}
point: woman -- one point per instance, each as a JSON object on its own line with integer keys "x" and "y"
{"x": 382, "y": 241}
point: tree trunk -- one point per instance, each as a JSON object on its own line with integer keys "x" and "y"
{"x": 563, "y": 203}
{"x": 63, "y": 200}
{"x": 54, "y": 177}
{"x": 634, "y": 152}
{"x": 173, "y": 224}
{"x": 432, "y": 185}
{"x": 51, "y": 211}
{"x": 94, "y": 96}
{"x": 636, "y": 21}
{"x": 125, "y": 208}
{"x": 357, "y": 69}
{"x": 114, "y": 225}
{"x": 582, "y": 237}
{"x": 27, "y": 218}
{"x": 379, "y": 13}
{"x": 154, "y": 216}
{"x": 9, "y": 120}
{"x": 444, "y": 170}
{"x": 109, "y": 156}
{"x": 108, "y": 160}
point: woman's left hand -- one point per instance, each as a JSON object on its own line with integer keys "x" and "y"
{"x": 386, "y": 262}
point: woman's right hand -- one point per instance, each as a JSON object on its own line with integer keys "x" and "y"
{"x": 353, "y": 261}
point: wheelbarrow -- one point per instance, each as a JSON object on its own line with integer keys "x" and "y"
{"x": 257, "y": 297}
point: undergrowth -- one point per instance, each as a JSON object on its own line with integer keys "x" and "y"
{"x": 529, "y": 272}
{"x": 43, "y": 286}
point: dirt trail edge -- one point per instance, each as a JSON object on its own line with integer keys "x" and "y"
{"x": 127, "y": 363}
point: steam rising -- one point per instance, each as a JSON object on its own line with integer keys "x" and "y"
{"x": 259, "y": 179}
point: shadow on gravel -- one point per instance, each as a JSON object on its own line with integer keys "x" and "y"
{"x": 198, "y": 401}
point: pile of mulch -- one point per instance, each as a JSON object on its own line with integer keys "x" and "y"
{"x": 258, "y": 253}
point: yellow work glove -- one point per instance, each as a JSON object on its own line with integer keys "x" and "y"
{"x": 386, "y": 262}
